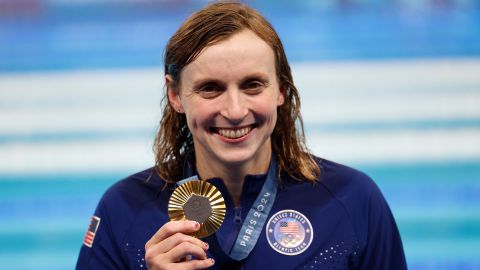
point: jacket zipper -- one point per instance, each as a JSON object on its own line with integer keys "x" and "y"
{"x": 238, "y": 220}
{"x": 238, "y": 215}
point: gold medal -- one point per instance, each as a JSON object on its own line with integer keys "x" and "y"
{"x": 199, "y": 201}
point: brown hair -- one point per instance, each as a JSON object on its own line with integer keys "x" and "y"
{"x": 212, "y": 24}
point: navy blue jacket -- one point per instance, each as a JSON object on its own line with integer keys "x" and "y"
{"x": 352, "y": 225}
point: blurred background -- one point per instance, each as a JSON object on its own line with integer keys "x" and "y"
{"x": 391, "y": 87}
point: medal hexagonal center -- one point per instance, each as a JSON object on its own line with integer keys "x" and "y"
{"x": 197, "y": 208}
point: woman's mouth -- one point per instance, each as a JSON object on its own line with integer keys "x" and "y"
{"x": 234, "y": 133}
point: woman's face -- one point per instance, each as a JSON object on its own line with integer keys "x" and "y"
{"x": 230, "y": 95}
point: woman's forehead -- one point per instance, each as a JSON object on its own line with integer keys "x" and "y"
{"x": 238, "y": 55}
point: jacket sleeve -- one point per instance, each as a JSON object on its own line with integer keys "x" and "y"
{"x": 104, "y": 252}
{"x": 384, "y": 249}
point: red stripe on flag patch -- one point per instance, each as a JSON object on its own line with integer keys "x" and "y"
{"x": 91, "y": 231}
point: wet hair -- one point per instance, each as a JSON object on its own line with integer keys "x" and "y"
{"x": 212, "y": 24}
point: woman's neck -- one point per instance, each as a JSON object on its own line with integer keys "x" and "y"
{"x": 233, "y": 175}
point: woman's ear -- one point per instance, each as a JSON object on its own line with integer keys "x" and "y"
{"x": 281, "y": 97}
{"x": 173, "y": 94}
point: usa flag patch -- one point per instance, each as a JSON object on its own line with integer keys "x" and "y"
{"x": 92, "y": 230}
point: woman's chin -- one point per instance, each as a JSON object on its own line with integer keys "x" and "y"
{"x": 235, "y": 159}
{"x": 244, "y": 157}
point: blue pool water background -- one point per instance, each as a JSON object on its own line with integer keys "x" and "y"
{"x": 52, "y": 35}
{"x": 45, "y": 204}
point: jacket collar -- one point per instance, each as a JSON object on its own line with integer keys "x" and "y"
{"x": 251, "y": 186}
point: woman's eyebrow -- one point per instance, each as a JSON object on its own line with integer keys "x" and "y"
{"x": 204, "y": 81}
{"x": 256, "y": 75}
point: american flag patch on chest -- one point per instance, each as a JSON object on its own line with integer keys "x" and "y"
{"x": 91, "y": 231}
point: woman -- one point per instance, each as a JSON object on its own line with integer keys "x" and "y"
{"x": 231, "y": 119}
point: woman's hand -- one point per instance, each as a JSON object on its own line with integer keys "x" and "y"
{"x": 172, "y": 243}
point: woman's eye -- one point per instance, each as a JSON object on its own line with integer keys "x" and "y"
{"x": 209, "y": 90}
{"x": 254, "y": 86}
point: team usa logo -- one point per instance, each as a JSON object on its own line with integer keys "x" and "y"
{"x": 289, "y": 232}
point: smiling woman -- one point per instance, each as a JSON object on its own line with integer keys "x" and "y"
{"x": 232, "y": 119}
{"x": 207, "y": 46}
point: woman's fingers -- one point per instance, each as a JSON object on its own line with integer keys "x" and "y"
{"x": 184, "y": 249}
{"x": 171, "y": 228}
{"x": 171, "y": 244}
{"x": 175, "y": 258}
{"x": 198, "y": 264}
{"x": 176, "y": 239}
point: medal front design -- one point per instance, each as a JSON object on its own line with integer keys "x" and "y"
{"x": 289, "y": 232}
{"x": 199, "y": 201}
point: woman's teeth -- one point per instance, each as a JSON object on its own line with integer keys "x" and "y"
{"x": 234, "y": 133}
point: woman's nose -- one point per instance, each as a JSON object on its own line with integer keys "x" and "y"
{"x": 234, "y": 106}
